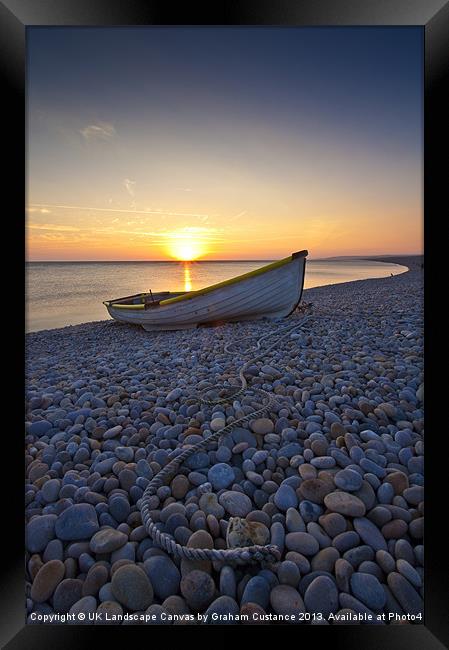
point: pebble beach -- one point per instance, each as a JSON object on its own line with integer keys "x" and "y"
{"x": 333, "y": 475}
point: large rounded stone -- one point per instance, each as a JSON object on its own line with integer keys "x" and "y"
{"x": 348, "y": 479}
{"x": 47, "y": 579}
{"x": 131, "y": 587}
{"x": 236, "y": 504}
{"x": 345, "y": 504}
{"x": 221, "y": 611}
{"x": 164, "y": 576}
{"x": 257, "y": 591}
{"x": 180, "y": 486}
{"x": 370, "y": 533}
{"x": 39, "y": 532}
{"x": 398, "y": 480}
{"x": 77, "y": 522}
{"x": 107, "y": 540}
{"x": 406, "y": 595}
{"x": 286, "y": 600}
{"x": 85, "y": 606}
{"x": 368, "y": 590}
{"x": 95, "y": 579}
{"x": 315, "y": 489}
{"x": 321, "y": 596}
{"x": 221, "y": 476}
{"x": 285, "y": 498}
{"x": 302, "y": 543}
{"x": 198, "y": 589}
{"x": 67, "y": 593}
{"x": 262, "y": 426}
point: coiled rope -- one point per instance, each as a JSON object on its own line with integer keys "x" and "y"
{"x": 241, "y": 555}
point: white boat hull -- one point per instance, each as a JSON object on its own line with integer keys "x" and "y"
{"x": 270, "y": 294}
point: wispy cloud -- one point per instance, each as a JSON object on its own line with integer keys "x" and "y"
{"x": 98, "y": 131}
{"x": 183, "y": 189}
{"x": 40, "y": 210}
{"x": 237, "y": 216}
{"x": 121, "y": 210}
{"x": 130, "y": 186}
{"x": 52, "y": 226}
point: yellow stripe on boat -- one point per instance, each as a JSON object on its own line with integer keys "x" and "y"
{"x": 225, "y": 283}
{"x": 119, "y": 306}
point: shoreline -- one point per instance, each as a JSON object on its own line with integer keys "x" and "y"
{"x": 409, "y": 261}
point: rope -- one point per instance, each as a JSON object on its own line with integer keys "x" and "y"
{"x": 241, "y": 555}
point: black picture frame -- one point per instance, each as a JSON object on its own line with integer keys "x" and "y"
{"x": 433, "y": 16}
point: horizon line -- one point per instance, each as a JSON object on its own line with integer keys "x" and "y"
{"x": 267, "y": 259}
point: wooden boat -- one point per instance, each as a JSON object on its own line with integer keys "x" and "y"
{"x": 273, "y": 291}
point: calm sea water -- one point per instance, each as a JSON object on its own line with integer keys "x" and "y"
{"x": 68, "y": 293}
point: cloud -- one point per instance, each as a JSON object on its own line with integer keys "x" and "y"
{"x": 183, "y": 189}
{"x": 40, "y": 210}
{"x": 98, "y": 131}
{"x": 130, "y": 186}
{"x": 52, "y": 226}
{"x": 237, "y": 216}
{"x": 121, "y": 210}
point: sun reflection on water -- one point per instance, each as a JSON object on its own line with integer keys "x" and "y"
{"x": 187, "y": 277}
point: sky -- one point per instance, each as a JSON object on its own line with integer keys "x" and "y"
{"x": 223, "y": 143}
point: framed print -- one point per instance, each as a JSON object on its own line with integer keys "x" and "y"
{"x": 225, "y": 217}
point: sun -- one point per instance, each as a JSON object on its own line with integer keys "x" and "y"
{"x": 185, "y": 245}
{"x": 185, "y": 251}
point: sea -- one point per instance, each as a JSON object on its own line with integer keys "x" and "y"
{"x": 68, "y": 293}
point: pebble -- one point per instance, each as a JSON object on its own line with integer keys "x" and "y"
{"x": 314, "y": 489}
{"x": 286, "y": 600}
{"x": 262, "y": 426}
{"x": 348, "y": 479}
{"x": 132, "y": 588}
{"x": 321, "y": 596}
{"x": 394, "y": 529}
{"x": 405, "y": 594}
{"x": 288, "y": 573}
{"x": 236, "y": 503}
{"x": 107, "y": 540}
{"x": 221, "y": 611}
{"x": 285, "y": 498}
{"x": 409, "y": 572}
{"x": 333, "y": 523}
{"x": 39, "y": 532}
{"x": 368, "y": 590}
{"x": 198, "y": 589}
{"x": 221, "y": 476}
{"x": 85, "y": 606}
{"x": 345, "y": 504}
{"x": 369, "y": 533}
{"x": 77, "y": 522}
{"x": 398, "y": 481}
{"x": 50, "y": 490}
{"x": 97, "y": 577}
{"x": 227, "y": 582}
{"x": 180, "y": 486}
{"x": 257, "y": 591}
{"x": 164, "y": 576}
{"x": 47, "y": 579}
{"x": 302, "y": 543}
{"x": 67, "y": 593}
{"x": 209, "y": 505}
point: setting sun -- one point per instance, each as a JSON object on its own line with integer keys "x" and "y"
{"x": 185, "y": 245}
